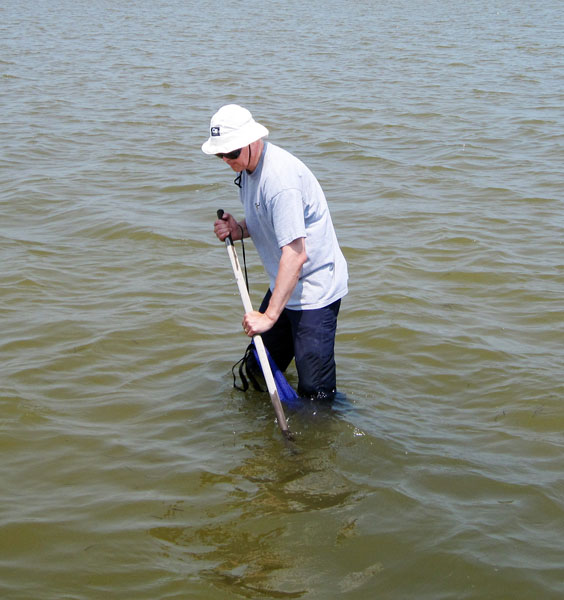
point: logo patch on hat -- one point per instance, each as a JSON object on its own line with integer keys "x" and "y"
{"x": 215, "y": 131}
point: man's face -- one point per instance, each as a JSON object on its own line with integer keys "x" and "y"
{"x": 240, "y": 162}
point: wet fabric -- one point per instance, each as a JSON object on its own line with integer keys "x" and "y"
{"x": 308, "y": 336}
{"x": 250, "y": 374}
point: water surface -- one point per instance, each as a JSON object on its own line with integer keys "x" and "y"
{"x": 131, "y": 467}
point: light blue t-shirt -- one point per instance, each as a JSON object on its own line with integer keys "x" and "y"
{"x": 283, "y": 201}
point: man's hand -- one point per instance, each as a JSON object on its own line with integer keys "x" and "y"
{"x": 256, "y": 322}
{"x": 227, "y": 226}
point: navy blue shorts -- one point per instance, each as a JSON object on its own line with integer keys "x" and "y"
{"x": 309, "y": 337}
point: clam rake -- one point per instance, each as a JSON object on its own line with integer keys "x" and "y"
{"x": 257, "y": 339}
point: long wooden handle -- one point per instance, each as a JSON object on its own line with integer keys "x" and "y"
{"x": 257, "y": 339}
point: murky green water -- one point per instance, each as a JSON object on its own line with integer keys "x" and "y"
{"x": 130, "y": 467}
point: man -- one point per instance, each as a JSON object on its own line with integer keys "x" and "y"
{"x": 287, "y": 217}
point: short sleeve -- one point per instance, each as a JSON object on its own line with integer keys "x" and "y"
{"x": 287, "y": 214}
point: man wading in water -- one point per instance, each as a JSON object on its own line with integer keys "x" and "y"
{"x": 287, "y": 217}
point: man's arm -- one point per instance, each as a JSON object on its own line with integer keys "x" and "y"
{"x": 291, "y": 262}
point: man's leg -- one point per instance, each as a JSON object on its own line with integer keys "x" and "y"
{"x": 314, "y": 347}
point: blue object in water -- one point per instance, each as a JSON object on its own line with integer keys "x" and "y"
{"x": 287, "y": 393}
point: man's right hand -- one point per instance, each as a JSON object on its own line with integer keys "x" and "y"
{"x": 226, "y": 226}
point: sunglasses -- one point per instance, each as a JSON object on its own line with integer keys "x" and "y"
{"x": 230, "y": 155}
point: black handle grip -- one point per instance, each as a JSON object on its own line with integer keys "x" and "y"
{"x": 220, "y": 213}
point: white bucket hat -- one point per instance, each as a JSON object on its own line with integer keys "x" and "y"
{"x": 232, "y": 127}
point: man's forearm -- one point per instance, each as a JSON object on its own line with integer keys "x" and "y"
{"x": 242, "y": 231}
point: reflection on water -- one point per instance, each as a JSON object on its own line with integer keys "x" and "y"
{"x": 242, "y": 543}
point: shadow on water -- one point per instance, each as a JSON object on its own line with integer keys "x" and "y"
{"x": 259, "y": 518}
